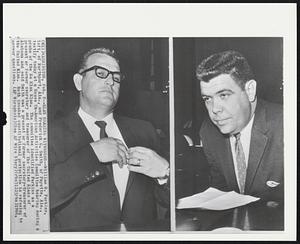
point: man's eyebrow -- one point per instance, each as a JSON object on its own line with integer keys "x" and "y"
{"x": 218, "y": 92}
{"x": 224, "y": 90}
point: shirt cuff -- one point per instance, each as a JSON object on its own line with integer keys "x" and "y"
{"x": 162, "y": 181}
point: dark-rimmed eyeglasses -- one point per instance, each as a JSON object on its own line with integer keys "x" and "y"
{"x": 103, "y": 73}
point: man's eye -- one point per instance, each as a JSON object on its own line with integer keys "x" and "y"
{"x": 206, "y": 99}
{"x": 101, "y": 73}
{"x": 224, "y": 95}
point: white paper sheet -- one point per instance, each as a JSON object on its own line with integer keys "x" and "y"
{"x": 214, "y": 199}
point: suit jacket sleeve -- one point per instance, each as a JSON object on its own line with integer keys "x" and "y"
{"x": 70, "y": 171}
{"x": 162, "y": 192}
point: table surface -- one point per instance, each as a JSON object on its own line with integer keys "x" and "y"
{"x": 261, "y": 215}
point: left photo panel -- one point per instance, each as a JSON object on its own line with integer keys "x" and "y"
{"x": 108, "y": 144}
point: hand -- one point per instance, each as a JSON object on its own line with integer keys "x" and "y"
{"x": 110, "y": 149}
{"x": 146, "y": 161}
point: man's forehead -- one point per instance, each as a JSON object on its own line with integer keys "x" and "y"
{"x": 102, "y": 59}
{"x": 218, "y": 83}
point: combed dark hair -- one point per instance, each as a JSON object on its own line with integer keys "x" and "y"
{"x": 227, "y": 62}
{"x": 101, "y": 50}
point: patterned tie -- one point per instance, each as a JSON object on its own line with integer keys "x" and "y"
{"x": 241, "y": 162}
{"x": 102, "y": 125}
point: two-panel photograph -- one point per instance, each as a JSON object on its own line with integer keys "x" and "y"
{"x": 108, "y": 136}
{"x": 149, "y": 122}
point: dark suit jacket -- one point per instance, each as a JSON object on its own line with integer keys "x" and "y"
{"x": 265, "y": 163}
{"x": 83, "y": 195}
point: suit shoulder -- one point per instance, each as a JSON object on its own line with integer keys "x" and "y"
{"x": 137, "y": 123}
{"x": 208, "y": 128}
{"x": 59, "y": 124}
{"x": 274, "y": 111}
{"x": 61, "y": 127}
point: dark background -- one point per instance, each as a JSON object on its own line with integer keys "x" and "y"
{"x": 265, "y": 56}
{"x": 143, "y": 93}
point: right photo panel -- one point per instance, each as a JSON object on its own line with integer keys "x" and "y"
{"x": 229, "y": 167}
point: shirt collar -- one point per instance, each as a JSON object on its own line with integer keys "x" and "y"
{"x": 248, "y": 127}
{"x": 90, "y": 120}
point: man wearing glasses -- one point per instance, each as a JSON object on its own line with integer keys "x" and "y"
{"x": 104, "y": 169}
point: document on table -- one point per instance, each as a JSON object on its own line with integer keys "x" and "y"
{"x": 214, "y": 199}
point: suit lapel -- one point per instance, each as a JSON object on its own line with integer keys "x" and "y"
{"x": 80, "y": 136}
{"x": 258, "y": 144}
{"x": 130, "y": 141}
{"x": 79, "y": 133}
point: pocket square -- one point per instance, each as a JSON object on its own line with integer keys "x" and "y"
{"x": 271, "y": 183}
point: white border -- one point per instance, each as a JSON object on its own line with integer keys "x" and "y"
{"x": 160, "y": 20}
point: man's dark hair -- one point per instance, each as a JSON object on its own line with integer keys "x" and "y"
{"x": 227, "y": 62}
{"x": 101, "y": 50}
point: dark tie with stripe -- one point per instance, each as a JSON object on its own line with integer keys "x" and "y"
{"x": 102, "y": 125}
{"x": 241, "y": 162}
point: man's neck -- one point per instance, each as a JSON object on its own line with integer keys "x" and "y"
{"x": 253, "y": 107}
{"x": 252, "y": 111}
{"x": 98, "y": 113}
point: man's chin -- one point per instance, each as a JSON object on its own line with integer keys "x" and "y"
{"x": 224, "y": 129}
{"x": 107, "y": 102}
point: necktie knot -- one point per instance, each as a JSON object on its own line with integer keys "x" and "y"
{"x": 237, "y": 136}
{"x": 102, "y": 125}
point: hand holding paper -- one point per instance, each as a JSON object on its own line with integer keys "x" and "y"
{"x": 214, "y": 199}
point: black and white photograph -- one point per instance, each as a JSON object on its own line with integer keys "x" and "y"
{"x": 229, "y": 145}
{"x": 108, "y": 134}
{"x": 149, "y": 122}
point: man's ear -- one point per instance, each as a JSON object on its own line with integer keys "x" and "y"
{"x": 250, "y": 88}
{"x": 77, "y": 78}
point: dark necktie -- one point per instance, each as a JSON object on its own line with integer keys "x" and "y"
{"x": 241, "y": 162}
{"x": 102, "y": 125}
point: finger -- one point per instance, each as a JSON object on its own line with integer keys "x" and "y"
{"x": 122, "y": 154}
{"x": 135, "y": 161}
{"x": 121, "y": 164}
{"x": 122, "y": 148}
{"x": 113, "y": 141}
{"x": 139, "y": 149}
{"x": 140, "y": 155}
{"x": 120, "y": 143}
{"x": 135, "y": 169}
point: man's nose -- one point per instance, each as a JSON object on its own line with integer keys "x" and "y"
{"x": 216, "y": 106}
{"x": 109, "y": 80}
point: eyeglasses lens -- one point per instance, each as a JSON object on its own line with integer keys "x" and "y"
{"x": 102, "y": 73}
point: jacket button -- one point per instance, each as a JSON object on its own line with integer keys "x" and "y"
{"x": 113, "y": 193}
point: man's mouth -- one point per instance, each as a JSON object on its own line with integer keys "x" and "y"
{"x": 105, "y": 91}
{"x": 221, "y": 121}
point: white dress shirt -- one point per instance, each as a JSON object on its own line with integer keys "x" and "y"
{"x": 112, "y": 130}
{"x": 245, "y": 140}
